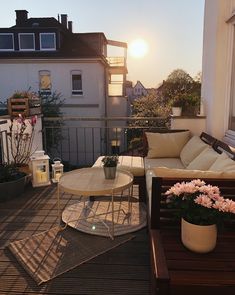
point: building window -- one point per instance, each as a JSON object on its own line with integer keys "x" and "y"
{"x": 115, "y": 87}
{"x": 76, "y": 83}
{"x": 45, "y": 82}
{"x": 6, "y": 42}
{"x": 26, "y": 41}
{"x": 47, "y": 41}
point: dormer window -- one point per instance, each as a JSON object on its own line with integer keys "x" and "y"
{"x": 26, "y": 41}
{"x": 47, "y": 41}
{"x": 6, "y": 42}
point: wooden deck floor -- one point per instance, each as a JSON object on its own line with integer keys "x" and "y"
{"x": 123, "y": 270}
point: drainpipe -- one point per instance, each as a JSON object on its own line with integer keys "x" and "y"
{"x": 106, "y": 108}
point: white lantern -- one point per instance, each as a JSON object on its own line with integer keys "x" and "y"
{"x": 57, "y": 170}
{"x": 40, "y": 169}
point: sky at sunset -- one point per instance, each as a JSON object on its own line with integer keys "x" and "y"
{"x": 172, "y": 29}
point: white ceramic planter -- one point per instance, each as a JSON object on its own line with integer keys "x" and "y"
{"x": 198, "y": 238}
{"x": 176, "y": 111}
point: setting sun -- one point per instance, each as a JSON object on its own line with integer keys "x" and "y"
{"x": 138, "y": 48}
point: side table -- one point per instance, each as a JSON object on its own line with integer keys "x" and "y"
{"x": 91, "y": 182}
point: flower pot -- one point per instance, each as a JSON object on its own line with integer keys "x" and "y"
{"x": 110, "y": 172}
{"x": 191, "y": 111}
{"x": 12, "y": 189}
{"x": 198, "y": 238}
{"x": 176, "y": 111}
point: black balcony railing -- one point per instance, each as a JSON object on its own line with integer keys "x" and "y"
{"x": 79, "y": 141}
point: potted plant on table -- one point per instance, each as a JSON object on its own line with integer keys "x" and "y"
{"x": 110, "y": 166}
{"x": 201, "y": 208}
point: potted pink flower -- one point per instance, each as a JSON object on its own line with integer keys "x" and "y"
{"x": 201, "y": 208}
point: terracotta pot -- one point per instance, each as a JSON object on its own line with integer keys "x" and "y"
{"x": 198, "y": 238}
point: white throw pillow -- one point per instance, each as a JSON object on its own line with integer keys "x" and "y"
{"x": 166, "y": 145}
{"x": 192, "y": 149}
{"x": 204, "y": 160}
{"x": 223, "y": 163}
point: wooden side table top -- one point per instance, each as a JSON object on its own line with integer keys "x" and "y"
{"x": 91, "y": 181}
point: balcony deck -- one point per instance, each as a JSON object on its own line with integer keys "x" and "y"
{"x": 123, "y": 270}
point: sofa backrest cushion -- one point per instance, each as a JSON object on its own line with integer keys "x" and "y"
{"x": 192, "y": 149}
{"x": 204, "y": 160}
{"x": 183, "y": 173}
{"x": 223, "y": 163}
{"x": 163, "y": 145}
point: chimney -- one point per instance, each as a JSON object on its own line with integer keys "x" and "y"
{"x": 21, "y": 17}
{"x": 64, "y": 20}
{"x": 70, "y": 26}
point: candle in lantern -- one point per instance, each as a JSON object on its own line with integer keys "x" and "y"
{"x": 57, "y": 176}
{"x": 43, "y": 176}
{"x": 38, "y": 176}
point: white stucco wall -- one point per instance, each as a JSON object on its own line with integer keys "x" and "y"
{"x": 217, "y": 65}
{"x": 24, "y": 75}
{"x": 195, "y": 125}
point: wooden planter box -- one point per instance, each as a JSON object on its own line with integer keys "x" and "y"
{"x": 23, "y": 106}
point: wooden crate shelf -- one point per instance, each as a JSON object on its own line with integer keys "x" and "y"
{"x": 23, "y": 106}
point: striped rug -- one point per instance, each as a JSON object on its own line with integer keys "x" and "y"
{"x": 51, "y": 253}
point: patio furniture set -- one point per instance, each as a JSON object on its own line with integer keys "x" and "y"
{"x": 166, "y": 159}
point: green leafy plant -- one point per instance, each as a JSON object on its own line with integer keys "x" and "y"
{"x": 51, "y": 107}
{"x": 110, "y": 161}
{"x": 178, "y": 101}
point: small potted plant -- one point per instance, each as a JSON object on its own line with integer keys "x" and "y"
{"x": 177, "y": 104}
{"x": 192, "y": 104}
{"x": 110, "y": 166}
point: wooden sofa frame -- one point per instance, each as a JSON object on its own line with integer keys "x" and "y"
{"x": 161, "y": 218}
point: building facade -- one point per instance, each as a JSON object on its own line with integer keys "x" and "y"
{"x": 218, "y": 75}
{"x": 46, "y": 56}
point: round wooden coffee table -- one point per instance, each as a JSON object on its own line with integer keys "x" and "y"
{"x": 91, "y": 182}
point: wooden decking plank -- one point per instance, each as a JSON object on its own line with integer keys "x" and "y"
{"x": 123, "y": 270}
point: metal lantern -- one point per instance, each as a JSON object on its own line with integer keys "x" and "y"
{"x": 57, "y": 170}
{"x": 40, "y": 169}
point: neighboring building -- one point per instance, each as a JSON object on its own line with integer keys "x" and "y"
{"x": 139, "y": 89}
{"x": 134, "y": 92}
{"x": 44, "y": 54}
{"x": 218, "y": 68}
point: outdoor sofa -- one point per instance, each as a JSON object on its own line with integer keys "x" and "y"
{"x": 175, "y": 270}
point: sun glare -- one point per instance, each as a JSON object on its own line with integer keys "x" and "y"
{"x": 138, "y": 48}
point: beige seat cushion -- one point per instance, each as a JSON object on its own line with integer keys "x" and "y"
{"x": 163, "y": 162}
{"x": 135, "y": 165}
{"x": 183, "y": 173}
{"x": 192, "y": 149}
{"x": 223, "y": 163}
{"x": 204, "y": 160}
{"x": 166, "y": 145}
